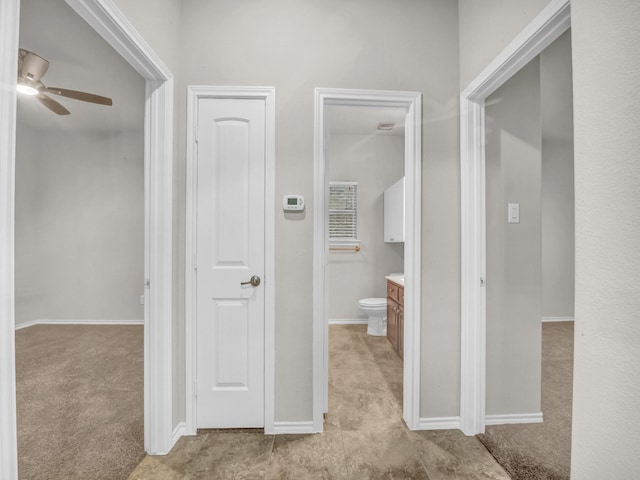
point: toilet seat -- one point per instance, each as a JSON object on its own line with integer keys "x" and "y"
{"x": 373, "y": 302}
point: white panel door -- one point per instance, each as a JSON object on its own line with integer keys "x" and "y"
{"x": 230, "y": 251}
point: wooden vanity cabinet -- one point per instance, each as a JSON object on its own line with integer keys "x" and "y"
{"x": 400, "y": 349}
{"x": 395, "y": 316}
{"x": 392, "y": 323}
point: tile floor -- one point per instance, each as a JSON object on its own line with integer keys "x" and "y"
{"x": 364, "y": 438}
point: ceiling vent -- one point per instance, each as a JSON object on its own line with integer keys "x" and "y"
{"x": 386, "y": 125}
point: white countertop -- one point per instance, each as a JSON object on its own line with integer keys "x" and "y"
{"x": 396, "y": 279}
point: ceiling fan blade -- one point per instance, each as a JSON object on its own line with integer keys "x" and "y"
{"x": 84, "y": 96}
{"x": 51, "y": 104}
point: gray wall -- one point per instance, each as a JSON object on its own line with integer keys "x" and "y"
{"x": 606, "y": 73}
{"x": 79, "y": 178}
{"x": 513, "y": 175}
{"x": 79, "y": 224}
{"x": 297, "y": 46}
{"x": 558, "y": 209}
{"x": 487, "y": 27}
{"x": 529, "y": 152}
{"x": 375, "y": 162}
{"x": 607, "y": 337}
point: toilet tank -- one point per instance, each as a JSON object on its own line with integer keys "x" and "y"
{"x": 394, "y": 217}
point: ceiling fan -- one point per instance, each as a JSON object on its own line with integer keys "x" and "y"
{"x": 31, "y": 68}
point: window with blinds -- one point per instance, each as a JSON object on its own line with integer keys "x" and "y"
{"x": 343, "y": 213}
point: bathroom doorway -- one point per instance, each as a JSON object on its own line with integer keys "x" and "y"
{"x": 365, "y": 152}
{"x": 353, "y": 153}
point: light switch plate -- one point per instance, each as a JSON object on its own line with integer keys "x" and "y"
{"x": 513, "y": 213}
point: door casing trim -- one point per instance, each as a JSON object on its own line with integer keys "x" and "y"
{"x": 194, "y": 94}
{"x": 550, "y": 23}
{"x": 412, "y": 101}
{"x": 9, "y": 24}
{"x": 111, "y": 24}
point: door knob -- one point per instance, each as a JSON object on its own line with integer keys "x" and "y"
{"x": 254, "y": 281}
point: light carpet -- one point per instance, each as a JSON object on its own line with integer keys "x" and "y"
{"x": 542, "y": 451}
{"x": 79, "y": 401}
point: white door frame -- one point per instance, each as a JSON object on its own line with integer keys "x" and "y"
{"x": 194, "y": 94}
{"x": 412, "y": 101}
{"x": 111, "y": 24}
{"x": 552, "y": 22}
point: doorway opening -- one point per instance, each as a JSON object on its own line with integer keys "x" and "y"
{"x": 112, "y": 26}
{"x": 365, "y": 159}
{"x": 79, "y": 232}
{"x": 552, "y": 22}
{"x": 530, "y": 265}
{"x": 410, "y": 104}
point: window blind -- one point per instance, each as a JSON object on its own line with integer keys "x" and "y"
{"x": 343, "y": 213}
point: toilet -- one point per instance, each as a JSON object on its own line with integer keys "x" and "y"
{"x": 376, "y": 309}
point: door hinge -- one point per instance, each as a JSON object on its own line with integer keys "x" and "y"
{"x": 147, "y": 283}
{"x": 195, "y": 262}
{"x": 482, "y": 282}
{"x": 195, "y": 389}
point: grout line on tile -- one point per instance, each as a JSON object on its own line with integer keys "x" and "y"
{"x": 344, "y": 455}
{"x": 407, "y": 432}
{"x": 267, "y": 467}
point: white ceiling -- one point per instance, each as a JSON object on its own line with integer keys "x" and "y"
{"x": 364, "y": 120}
{"x": 79, "y": 59}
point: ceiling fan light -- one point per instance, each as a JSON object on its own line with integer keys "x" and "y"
{"x": 26, "y": 89}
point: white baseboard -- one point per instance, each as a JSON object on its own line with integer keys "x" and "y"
{"x": 513, "y": 418}
{"x": 179, "y": 431}
{"x": 26, "y": 324}
{"x": 280, "y": 428}
{"x": 558, "y": 319}
{"x": 439, "y": 423}
{"x": 348, "y": 321}
{"x": 78, "y": 322}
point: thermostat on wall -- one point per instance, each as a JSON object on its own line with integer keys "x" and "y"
{"x": 293, "y": 203}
